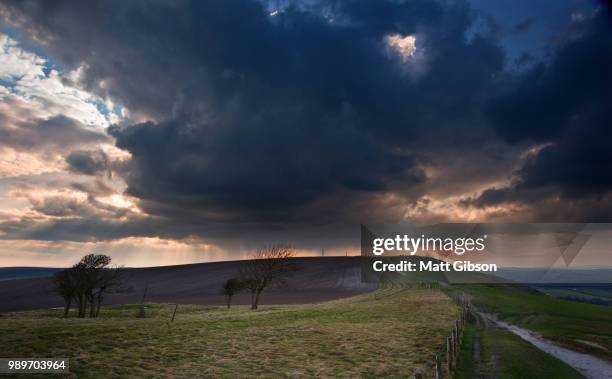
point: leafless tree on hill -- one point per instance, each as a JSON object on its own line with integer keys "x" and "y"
{"x": 269, "y": 266}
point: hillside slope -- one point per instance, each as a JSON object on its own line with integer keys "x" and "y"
{"x": 319, "y": 279}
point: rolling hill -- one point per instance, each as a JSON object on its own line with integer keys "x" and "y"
{"x": 318, "y": 279}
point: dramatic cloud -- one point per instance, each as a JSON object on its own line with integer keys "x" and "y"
{"x": 29, "y": 81}
{"x": 240, "y": 117}
{"x": 88, "y": 162}
{"x": 275, "y": 113}
{"x": 566, "y": 104}
{"x": 34, "y": 146}
{"x": 43, "y": 113}
{"x": 58, "y": 131}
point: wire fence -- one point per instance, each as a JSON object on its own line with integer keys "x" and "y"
{"x": 444, "y": 362}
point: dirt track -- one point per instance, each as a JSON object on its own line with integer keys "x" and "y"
{"x": 319, "y": 279}
{"x": 589, "y": 366}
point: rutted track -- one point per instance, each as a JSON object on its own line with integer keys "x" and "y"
{"x": 587, "y": 365}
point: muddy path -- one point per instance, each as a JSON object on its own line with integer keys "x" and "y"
{"x": 588, "y": 365}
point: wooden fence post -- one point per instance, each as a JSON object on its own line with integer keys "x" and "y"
{"x": 458, "y": 327}
{"x": 449, "y": 355}
{"x": 174, "y": 313}
{"x": 454, "y": 343}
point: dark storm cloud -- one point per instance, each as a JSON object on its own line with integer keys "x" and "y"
{"x": 566, "y": 103}
{"x": 307, "y": 115}
{"x": 88, "y": 162}
{"x": 523, "y": 26}
{"x": 542, "y": 104}
{"x": 258, "y": 166}
{"x": 262, "y": 115}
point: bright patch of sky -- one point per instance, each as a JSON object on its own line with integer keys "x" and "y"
{"x": 411, "y": 55}
{"x": 404, "y": 45}
{"x": 31, "y": 78}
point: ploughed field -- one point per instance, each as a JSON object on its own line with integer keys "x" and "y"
{"x": 318, "y": 279}
{"x": 393, "y": 331}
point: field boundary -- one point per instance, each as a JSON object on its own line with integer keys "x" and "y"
{"x": 444, "y": 361}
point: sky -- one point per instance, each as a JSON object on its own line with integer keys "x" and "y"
{"x": 168, "y": 132}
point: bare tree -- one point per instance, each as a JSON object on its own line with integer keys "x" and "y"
{"x": 269, "y": 266}
{"x": 231, "y": 287}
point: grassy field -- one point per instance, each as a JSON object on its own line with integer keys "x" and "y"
{"x": 501, "y": 354}
{"x": 579, "y": 326}
{"x": 392, "y": 332}
{"x": 595, "y": 294}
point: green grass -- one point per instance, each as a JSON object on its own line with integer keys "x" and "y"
{"x": 586, "y": 295}
{"x": 466, "y": 366}
{"x": 393, "y": 332}
{"x": 580, "y": 326}
{"x": 605, "y": 293}
{"x": 504, "y": 355}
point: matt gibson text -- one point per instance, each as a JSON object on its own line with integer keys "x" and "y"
{"x": 406, "y": 266}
